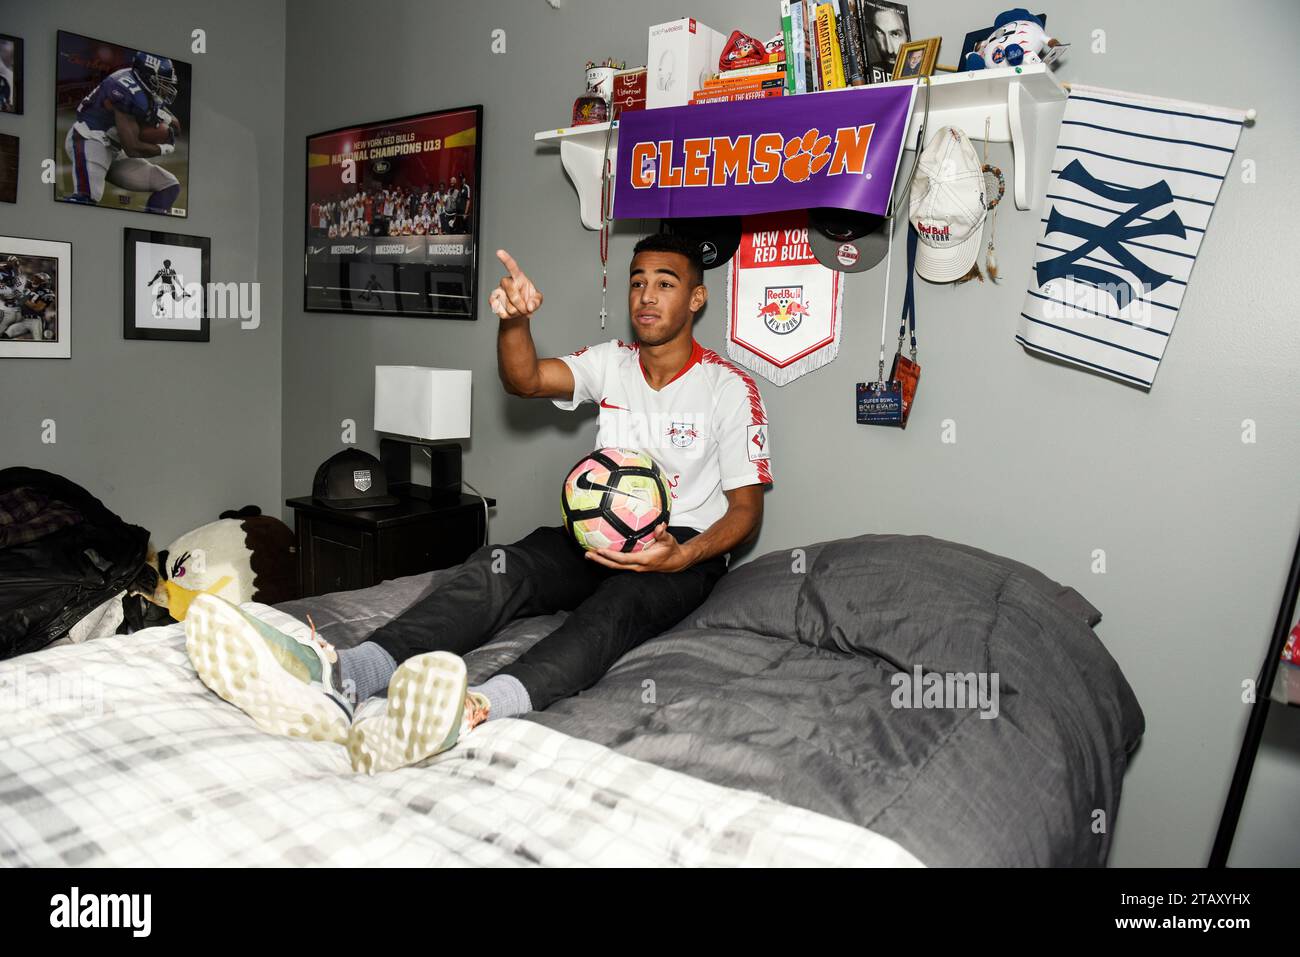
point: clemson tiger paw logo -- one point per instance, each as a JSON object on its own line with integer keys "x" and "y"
{"x": 805, "y": 157}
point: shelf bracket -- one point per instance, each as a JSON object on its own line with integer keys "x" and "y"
{"x": 581, "y": 159}
{"x": 1034, "y": 125}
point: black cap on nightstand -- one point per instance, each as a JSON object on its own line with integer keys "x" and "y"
{"x": 351, "y": 479}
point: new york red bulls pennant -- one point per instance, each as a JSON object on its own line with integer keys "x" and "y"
{"x": 783, "y": 306}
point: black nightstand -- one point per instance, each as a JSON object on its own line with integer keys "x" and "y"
{"x": 344, "y": 549}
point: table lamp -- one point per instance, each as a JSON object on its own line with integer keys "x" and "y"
{"x": 423, "y": 407}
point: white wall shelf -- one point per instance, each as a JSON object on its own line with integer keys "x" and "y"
{"x": 1023, "y": 105}
{"x": 582, "y": 150}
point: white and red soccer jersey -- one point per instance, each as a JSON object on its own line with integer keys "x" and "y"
{"x": 707, "y": 428}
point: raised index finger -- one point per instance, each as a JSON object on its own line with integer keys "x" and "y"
{"x": 508, "y": 261}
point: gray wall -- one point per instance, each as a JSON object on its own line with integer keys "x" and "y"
{"x": 166, "y": 433}
{"x": 1049, "y": 464}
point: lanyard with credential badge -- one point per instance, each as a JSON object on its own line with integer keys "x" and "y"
{"x": 881, "y": 402}
{"x": 889, "y": 401}
{"x": 907, "y": 371}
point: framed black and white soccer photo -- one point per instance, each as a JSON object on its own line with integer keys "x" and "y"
{"x": 11, "y": 74}
{"x": 121, "y": 133}
{"x": 392, "y": 213}
{"x": 35, "y": 299}
{"x": 164, "y": 282}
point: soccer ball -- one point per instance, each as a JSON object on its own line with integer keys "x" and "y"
{"x": 615, "y": 498}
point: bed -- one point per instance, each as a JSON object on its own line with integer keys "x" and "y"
{"x": 766, "y": 728}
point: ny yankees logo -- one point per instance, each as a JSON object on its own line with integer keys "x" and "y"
{"x": 1112, "y": 237}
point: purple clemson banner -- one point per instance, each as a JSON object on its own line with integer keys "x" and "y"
{"x": 839, "y": 148}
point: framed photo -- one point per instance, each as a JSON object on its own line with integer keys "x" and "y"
{"x": 8, "y": 168}
{"x": 35, "y": 299}
{"x": 164, "y": 283}
{"x": 917, "y": 58}
{"x": 11, "y": 74}
{"x": 392, "y": 214}
{"x": 884, "y": 29}
{"x": 121, "y": 132}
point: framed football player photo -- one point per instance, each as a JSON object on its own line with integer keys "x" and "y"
{"x": 122, "y": 127}
{"x": 11, "y": 74}
{"x": 164, "y": 283}
{"x": 392, "y": 211}
{"x": 35, "y": 299}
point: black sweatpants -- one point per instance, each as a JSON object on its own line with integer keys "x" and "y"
{"x": 613, "y": 611}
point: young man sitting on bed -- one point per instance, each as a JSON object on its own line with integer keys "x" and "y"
{"x": 699, "y": 416}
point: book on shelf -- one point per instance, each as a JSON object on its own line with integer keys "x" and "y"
{"x": 763, "y": 69}
{"x": 787, "y": 37}
{"x": 746, "y": 86}
{"x": 795, "y": 52}
{"x": 855, "y": 49}
{"x": 813, "y": 55}
{"x": 830, "y": 66}
{"x": 707, "y": 96}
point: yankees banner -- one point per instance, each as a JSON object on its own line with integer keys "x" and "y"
{"x": 1134, "y": 181}
{"x": 783, "y": 306}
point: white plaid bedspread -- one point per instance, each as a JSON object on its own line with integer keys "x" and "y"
{"x": 113, "y": 753}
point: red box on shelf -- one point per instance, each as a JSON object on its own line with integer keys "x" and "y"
{"x": 629, "y": 91}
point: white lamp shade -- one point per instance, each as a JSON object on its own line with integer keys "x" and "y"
{"x": 423, "y": 403}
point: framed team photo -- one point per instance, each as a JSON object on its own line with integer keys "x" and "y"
{"x": 35, "y": 299}
{"x": 164, "y": 283}
{"x": 122, "y": 127}
{"x": 11, "y": 74}
{"x": 393, "y": 217}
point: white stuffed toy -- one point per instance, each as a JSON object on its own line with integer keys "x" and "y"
{"x": 243, "y": 556}
{"x": 1017, "y": 38}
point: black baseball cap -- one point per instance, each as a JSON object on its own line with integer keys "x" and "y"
{"x": 351, "y": 479}
{"x": 718, "y": 237}
{"x": 846, "y": 239}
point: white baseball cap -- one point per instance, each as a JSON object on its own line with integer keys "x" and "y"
{"x": 947, "y": 206}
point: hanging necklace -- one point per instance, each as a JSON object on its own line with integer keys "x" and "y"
{"x": 992, "y": 176}
{"x": 606, "y": 217}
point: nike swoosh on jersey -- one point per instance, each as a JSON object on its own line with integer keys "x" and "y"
{"x": 604, "y": 404}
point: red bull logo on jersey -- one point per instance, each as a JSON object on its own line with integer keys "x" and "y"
{"x": 682, "y": 434}
{"x": 783, "y": 308}
{"x": 634, "y": 429}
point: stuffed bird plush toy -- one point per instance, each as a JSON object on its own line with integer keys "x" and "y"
{"x": 243, "y": 556}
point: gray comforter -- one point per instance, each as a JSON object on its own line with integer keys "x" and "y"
{"x": 789, "y": 681}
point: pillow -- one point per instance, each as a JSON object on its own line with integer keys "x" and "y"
{"x": 765, "y": 595}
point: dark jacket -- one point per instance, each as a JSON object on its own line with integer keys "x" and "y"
{"x": 50, "y": 583}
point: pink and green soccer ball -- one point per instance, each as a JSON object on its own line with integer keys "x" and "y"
{"x": 615, "y": 498}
